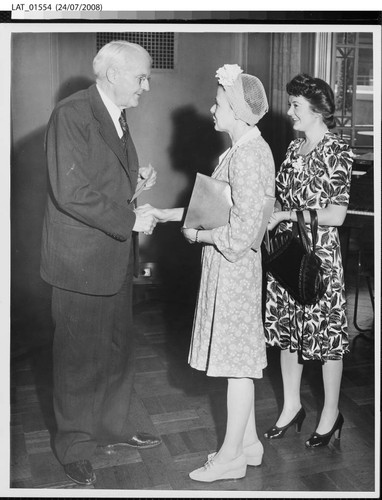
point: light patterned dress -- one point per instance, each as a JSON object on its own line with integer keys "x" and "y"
{"x": 228, "y": 336}
{"x": 312, "y": 182}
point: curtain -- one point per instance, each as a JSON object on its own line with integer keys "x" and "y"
{"x": 286, "y": 63}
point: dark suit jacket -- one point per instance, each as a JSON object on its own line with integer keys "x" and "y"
{"x": 87, "y": 232}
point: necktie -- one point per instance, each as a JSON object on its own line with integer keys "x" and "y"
{"x": 124, "y": 127}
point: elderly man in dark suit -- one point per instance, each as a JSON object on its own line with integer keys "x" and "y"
{"x": 88, "y": 255}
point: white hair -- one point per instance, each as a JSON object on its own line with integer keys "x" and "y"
{"x": 117, "y": 52}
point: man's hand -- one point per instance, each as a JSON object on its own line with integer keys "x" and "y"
{"x": 144, "y": 223}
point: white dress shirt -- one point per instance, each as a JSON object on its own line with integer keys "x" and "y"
{"x": 114, "y": 110}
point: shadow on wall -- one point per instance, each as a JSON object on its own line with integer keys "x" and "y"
{"x": 73, "y": 85}
{"x": 278, "y": 132}
{"x": 30, "y": 296}
{"x": 195, "y": 147}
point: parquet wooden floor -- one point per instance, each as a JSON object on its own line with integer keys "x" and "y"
{"x": 188, "y": 410}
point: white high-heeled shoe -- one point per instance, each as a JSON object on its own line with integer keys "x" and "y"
{"x": 212, "y": 471}
{"x": 253, "y": 454}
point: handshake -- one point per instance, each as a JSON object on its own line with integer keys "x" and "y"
{"x": 145, "y": 222}
{"x": 148, "y": 216}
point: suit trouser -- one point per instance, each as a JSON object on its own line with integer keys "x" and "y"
{"x": 93, "y": 367}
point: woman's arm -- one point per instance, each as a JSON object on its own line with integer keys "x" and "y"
{"x": 339, "y": 164}
{"x": 251, "y": 176}
{"x": 176, "y": 215}
{"x": 332, "y": 215}
{"x": 197, "y": 235}
{"x": 162, "y": 214}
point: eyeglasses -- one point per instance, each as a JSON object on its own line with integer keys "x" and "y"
{"x": 143, "y": 79}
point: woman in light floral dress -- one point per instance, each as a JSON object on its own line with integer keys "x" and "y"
{"x": 228, "y": 337}
{"x": 315, "y": 175}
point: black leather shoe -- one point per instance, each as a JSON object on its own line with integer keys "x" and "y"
{"x": 316, "y": 440}
{"x": 141, "y": 440}
{"x": 276, "y": 432}
{"x": 80, "y": 472}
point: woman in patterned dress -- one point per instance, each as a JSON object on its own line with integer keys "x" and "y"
{"x": 315, "y": 175}
{"x": 228, "y": 339}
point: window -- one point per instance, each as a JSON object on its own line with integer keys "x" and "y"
{"x": 352, "y": 75}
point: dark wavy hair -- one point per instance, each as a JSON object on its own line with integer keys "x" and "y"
{"x": 317, "y": 92}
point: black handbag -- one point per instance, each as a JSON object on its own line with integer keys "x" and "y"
{"x": 288, "y": 256}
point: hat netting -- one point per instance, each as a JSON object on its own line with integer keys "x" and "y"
{"x": 254, "y": 95}
{"x": 247, "y": 98}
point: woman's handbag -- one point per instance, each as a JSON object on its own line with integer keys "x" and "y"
{"x": 289, "y": 258}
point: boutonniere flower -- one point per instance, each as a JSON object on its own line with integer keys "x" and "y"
{"x": 227, "y": 74}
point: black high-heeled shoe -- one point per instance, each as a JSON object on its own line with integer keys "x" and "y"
{"x": 317, "y": 440}
{"x": 276, "y": 432}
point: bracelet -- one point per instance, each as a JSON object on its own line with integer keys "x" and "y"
{"x": 196, "y": 236}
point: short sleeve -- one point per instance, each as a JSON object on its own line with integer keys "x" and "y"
{"x": 339, "y": 161}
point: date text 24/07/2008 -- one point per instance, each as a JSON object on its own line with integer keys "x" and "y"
{"x": 34, "y": 7}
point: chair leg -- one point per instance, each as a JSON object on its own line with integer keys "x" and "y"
{"x": 357, "y": 279}
{"x": 371, "y": 293}
{"x": 361, "y": 331}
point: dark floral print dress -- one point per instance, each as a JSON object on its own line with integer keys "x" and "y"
{"x": 314, "y": 181}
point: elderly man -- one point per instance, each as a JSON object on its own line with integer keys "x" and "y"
{"x": 88, "y": 255}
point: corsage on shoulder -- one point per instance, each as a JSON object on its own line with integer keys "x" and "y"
{"x": 299, "y": 163}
